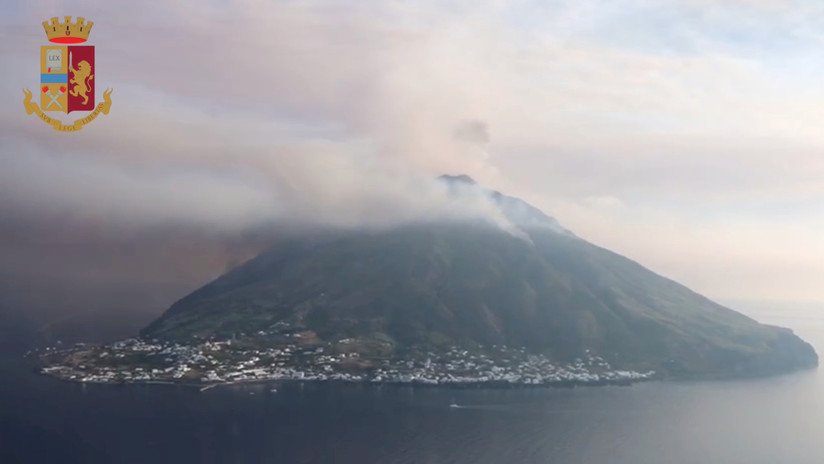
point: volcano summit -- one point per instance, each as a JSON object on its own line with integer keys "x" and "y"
{"x": 433, "y": 286}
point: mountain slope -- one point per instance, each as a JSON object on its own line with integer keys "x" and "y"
{"x": 471, "y": 284}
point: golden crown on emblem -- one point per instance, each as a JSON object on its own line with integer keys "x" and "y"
{"x": 67, "y": 31}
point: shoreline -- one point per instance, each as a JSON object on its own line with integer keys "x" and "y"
{"x": 489, "y": 385}
{"x": 136, "y": 361}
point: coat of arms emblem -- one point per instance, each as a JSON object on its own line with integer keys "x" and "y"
{"x": 67, "y": 75}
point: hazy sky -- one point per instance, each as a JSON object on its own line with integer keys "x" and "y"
{"x": 687, "y": 135}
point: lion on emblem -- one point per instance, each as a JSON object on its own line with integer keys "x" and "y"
{"x": 82, "y": 76}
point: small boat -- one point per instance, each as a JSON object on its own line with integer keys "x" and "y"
{"x": 454, "y": 405}
{"x": 274, "y": 390}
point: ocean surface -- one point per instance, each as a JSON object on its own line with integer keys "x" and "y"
{"x": 774, "y": 420}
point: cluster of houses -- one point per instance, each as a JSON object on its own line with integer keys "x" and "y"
{"x": 221, "y": 362}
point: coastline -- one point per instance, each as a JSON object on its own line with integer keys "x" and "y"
{"x": 491, "y": 385}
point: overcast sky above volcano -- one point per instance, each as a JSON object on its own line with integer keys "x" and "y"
{"x": 687, "y": 135}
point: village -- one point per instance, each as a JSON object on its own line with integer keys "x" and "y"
{"x": 228, "y": 361}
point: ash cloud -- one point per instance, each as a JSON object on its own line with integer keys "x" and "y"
{"x": 476, "y": 132}
{"x": 233, "y": 118}
{"x": 202, "y": 162}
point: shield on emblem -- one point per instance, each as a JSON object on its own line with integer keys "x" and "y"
{"x": 67, "y": 78}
